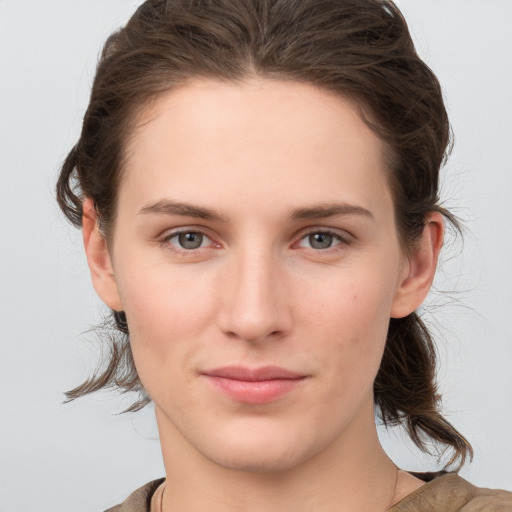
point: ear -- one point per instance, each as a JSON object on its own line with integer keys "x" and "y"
{"x": 98, "y": 258}
{"x": 420, "y": 269}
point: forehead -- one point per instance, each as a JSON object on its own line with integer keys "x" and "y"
{"x": 259, "y": 107}
{"x": 277, "y": 140}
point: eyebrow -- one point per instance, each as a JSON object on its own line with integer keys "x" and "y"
{"x": 168, "y": 207}
{"x": 330, "y": 210}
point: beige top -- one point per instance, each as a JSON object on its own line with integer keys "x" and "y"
{"x": 444, "y": 493}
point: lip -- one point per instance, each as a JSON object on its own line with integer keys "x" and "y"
{"x": 254, "y": 385}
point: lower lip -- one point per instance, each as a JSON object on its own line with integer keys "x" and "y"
{"x": 254, "y": 392}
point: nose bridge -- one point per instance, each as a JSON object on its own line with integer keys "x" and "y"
{"x": 254, "y": 306}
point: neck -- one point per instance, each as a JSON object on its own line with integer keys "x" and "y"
{"x": 352, "y": 474}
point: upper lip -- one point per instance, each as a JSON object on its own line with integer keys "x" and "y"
{"x": 253, "y": 374}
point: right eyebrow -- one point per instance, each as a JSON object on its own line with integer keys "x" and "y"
{"x": 168, "y": 207}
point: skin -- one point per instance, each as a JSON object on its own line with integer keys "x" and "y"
{"x": 259, "y": 290}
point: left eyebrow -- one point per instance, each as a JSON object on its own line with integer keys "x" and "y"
{"x": 330, "y": 210}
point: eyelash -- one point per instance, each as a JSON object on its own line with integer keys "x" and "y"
{"x": 342, "y": 241}
{"x": 166, "y": 241}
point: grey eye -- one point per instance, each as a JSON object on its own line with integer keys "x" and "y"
{"x": 320, "y": 240}
{"x": 190, "y": 240}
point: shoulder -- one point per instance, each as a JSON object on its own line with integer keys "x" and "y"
{"x": 451, "y": 493}
{"x": 139, "y": 500}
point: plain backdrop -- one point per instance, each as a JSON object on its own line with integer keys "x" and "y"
{"x": 84, "y": 457}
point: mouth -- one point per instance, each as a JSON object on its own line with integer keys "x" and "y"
{"x": 256, "y": 385}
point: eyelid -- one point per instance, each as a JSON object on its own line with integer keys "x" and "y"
{"x": 343, "y": 236}
{"x": 164, "y": 239}
{"x": 341, "y": 233}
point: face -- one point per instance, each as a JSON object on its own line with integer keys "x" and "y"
{"x": 256, "y": 256}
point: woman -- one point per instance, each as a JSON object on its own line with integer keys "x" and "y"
{"x": 257, "y": 184}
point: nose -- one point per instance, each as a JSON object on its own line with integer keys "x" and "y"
{"x": 254, "y": 301}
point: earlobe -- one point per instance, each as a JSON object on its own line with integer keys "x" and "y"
{"x": 420, "y": 270}
{"x": 98, "y": 258}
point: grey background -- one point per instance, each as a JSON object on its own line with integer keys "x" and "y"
{"x": 81, "y": 457}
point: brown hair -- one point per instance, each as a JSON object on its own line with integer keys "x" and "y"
{"x": 360, "y": 49}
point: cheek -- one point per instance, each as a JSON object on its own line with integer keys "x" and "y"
{"x": 354, "y": 302}
{"x": 165, "y": 314}
{"x": 354, "y": 316}
{"x": 158, "y": 297}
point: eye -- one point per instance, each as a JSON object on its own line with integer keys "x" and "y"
{"x": 321, "y": 240}
{"x": 187, "y": 240}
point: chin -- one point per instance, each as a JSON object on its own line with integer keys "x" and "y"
{"x": 259, "y": 462}
{"x": 260, "y": 453}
